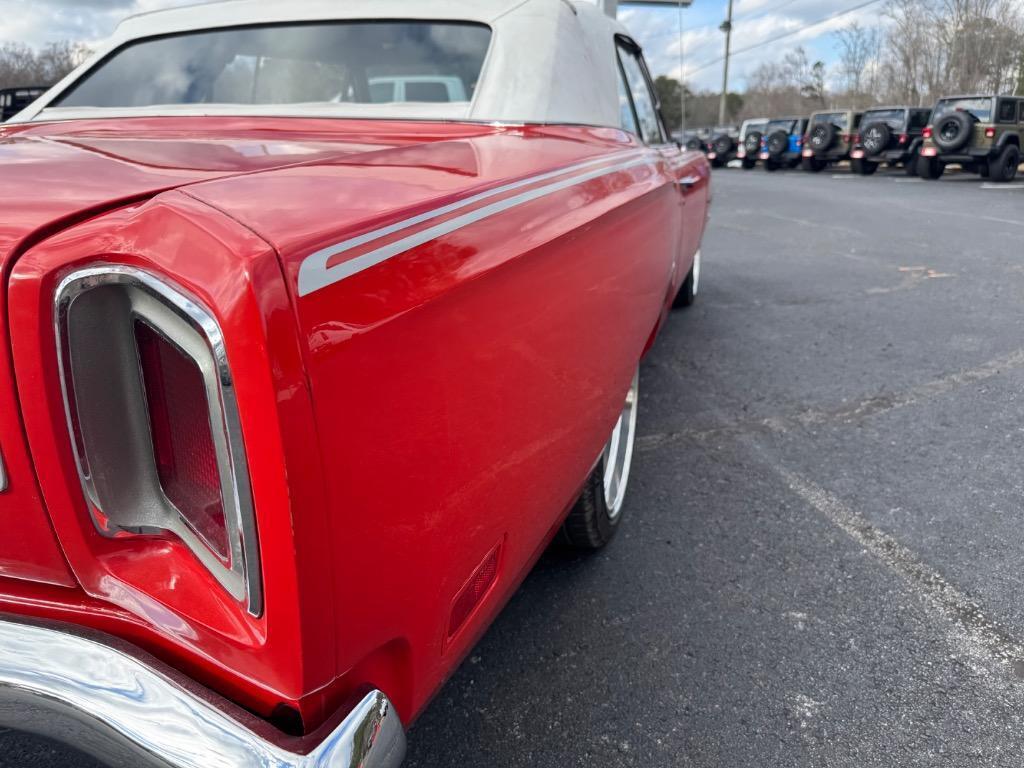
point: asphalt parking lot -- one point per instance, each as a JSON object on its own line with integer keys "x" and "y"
{"x": 823, "y": 563}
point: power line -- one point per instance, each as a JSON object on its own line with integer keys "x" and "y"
{"x": 784, "y": 35}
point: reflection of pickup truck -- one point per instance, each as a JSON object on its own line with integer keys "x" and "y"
{"x": 13, "y": 100}
{"x": 429, "y": 88}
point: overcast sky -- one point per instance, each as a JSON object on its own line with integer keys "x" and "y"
{"x": 38, "y": 22}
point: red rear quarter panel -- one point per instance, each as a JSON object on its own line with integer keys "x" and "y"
{"x": 464, "y": 388}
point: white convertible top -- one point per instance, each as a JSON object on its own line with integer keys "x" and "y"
{"x": 551, "y": 61}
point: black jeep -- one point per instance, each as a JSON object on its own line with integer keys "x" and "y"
{"x": 829, "y": 138}
{"x": 890, "y": 135}
{"x": 722, "y": 148}
{"x": 13, "y": 100}
{"x": 982, "y": 134}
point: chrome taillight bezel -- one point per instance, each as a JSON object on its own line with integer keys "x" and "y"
{"x": 128, "y": 497}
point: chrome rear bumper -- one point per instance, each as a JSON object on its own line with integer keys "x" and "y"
{"x": 128, "y": 713}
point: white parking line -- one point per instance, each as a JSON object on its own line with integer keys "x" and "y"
{"x": 991, "y": 185}
{"x": 909, "y": 181}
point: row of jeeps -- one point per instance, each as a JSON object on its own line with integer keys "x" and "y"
{"x": 981, "y": 134}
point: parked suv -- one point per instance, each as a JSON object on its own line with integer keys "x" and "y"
{"x": 782, "y": 142}
{"x": 829, "y": 138}
{"x": 980, "y": 133}
{"x": 890, "y": 135}
{"x": 751, "y": 133}
{"x": 722, "y": 148}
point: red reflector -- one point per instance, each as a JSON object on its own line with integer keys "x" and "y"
{"x": 990, "y": 133}
{"x": 927, "y": 132}
{"x": 904, "y": 138}
{"x": 475, "y": 590}
{"x": 183, "y": 447}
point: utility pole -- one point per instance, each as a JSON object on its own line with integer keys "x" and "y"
{"x": 727, "y": 28}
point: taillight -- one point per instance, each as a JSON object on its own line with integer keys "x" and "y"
{"x": 927, "y": 132}
{"x": 183, "y": 448}
{"x": 154, "y": 422}
{"x": 856, "y": 138}
{"x": 904, "y": 138}
{"x": 846, "y": 137}
{"x": 990, "y": 133}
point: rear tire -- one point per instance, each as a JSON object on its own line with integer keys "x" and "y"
{"x": 863, "y": 167}
{"x": 813, "y": 165}
{"x": 771, "y": 165}
{"x": 688, "y": 290}
{"x": 749, "y": 165}
{"x": 930, "y": 168}
{"x": 1004, "y": 168}
{"x": 910, "y": 166}
{"x": 595, "y": 518}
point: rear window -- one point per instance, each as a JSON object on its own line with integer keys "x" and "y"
{"x": 780, "y": 125}
{"x": 894, "y": 118}
{"x": 754, "y": 126}
{"x": 308, "y": 63}
{"x": 838, "y": 119}
{"x": 980, "y": 108}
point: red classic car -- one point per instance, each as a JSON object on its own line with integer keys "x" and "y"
{"x": 322, "y": 320}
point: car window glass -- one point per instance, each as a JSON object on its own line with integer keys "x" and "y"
{"x": 981, "y": 109}
{"x": 643, "y": 99}
{"x": 1007, "y": 111}
{"x": 838, "y": 119}
{"x": 627, "y": 117}
{"x": 894, "y": 118}
{"x": 307, "y": 63}
{"x": 780, "y": 125}
{"x": 919, "y": 118}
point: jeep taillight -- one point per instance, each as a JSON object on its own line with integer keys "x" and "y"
{"x": 857, "y": 138}
{"x": 990, "y": 132}
{"x": 904, "y": 138}
{"x": 927, "y": 132}
{"x": 153, "y": 420}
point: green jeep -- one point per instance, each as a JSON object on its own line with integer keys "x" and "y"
{"x": 981, "y": 134}
{"x": 830, "y": 138}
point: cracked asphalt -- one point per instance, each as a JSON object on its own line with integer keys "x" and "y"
{"x": 823, "y": 559}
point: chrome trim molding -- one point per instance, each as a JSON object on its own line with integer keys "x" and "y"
{"x": 108, "y": 703}
{"x": 3, "y": 474}
{"x": 192, "y": 328}
{"x": 315, "y": 274}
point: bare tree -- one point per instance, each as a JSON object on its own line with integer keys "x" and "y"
{"x": 858, "y": 47}
{"x": 23, "y": 66}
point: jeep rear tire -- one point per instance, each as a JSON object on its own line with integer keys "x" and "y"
{"x": 748, "y": 164}
{"x": 777, "y": 144}
{"x": 1004, "y": 167}
{"x": 723, "y": 145}
{"x": 813, "y": 165}
{"x": 910, "y": 165}
{"x": 771, "y": 164}
{"x": 863, "y": 167}
{"x": 930, "y": 168}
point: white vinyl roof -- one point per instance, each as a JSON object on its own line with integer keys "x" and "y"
{"x": 551, "y": 61}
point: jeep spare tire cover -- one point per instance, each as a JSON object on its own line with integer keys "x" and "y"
{"x": 752, "y": 142}
{"x": 693, "y": 143}
{"x": 723, "y": 144}
{"x": 953, "y": 130}
{"x": 875, "y": 138}
{"x": 823, "y": 135}
{"x": 778, "y": 143}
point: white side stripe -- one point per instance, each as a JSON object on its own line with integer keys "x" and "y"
{"x": 314, "y": 273}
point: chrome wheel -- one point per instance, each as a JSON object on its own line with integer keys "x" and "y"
{"x": 618, "y": 453}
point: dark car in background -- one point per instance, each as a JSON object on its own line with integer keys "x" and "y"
{"x": 13, "y": 100}
{"x": 981, "y": 134}
{"x": 782, "y": 143}
{"x": 722, "y": 147}
{"x": 829, "y": 138}
{"x": 889, "y": 135}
